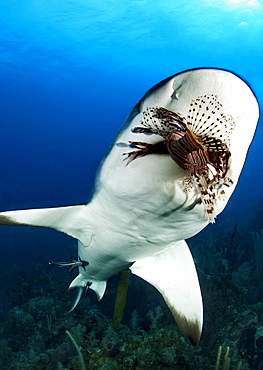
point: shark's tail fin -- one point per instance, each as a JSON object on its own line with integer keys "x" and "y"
{"x": 70, "y": 220}
{"x": 173, "y": 273}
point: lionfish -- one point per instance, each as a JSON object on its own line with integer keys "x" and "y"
{"x": 199, "y": 144}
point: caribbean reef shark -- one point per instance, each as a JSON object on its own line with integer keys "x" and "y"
{"x": 169, "y": 172}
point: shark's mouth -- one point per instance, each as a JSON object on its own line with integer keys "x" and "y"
{"x": 199, "y": 144}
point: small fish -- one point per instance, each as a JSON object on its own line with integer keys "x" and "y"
{"x": 71, "y": 265}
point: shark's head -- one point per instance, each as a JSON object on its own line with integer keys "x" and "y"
{"x": 199, "y": 144}
{"x": 217, "y": 108}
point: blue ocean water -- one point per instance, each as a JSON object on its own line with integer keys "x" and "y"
{"x": 70, "y": 73}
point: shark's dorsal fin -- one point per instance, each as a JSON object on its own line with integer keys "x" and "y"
{"x": 173, "y": 273}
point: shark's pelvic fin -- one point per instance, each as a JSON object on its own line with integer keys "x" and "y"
{"x": 77, "y": 298}
{"x": 99, "y": 287}
{"x": 173, "y": 273}
{"x": 71, "y": 220}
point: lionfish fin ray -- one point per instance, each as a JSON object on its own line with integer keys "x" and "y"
{"x": 160, "y": 121}
{"x": 208, "y": 122}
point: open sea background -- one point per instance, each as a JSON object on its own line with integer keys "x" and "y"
{"x": 70, "y": 73}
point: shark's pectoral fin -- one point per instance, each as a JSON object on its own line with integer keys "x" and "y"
{"x": 173, "y": 273}
{"x": 71, "y": 220}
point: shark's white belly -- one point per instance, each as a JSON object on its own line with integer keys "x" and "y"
{"x": 151, "y": 188}
{"x": 139, "y": 209}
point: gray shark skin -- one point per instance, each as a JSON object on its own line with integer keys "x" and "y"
{"x": 148, "y": 201}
